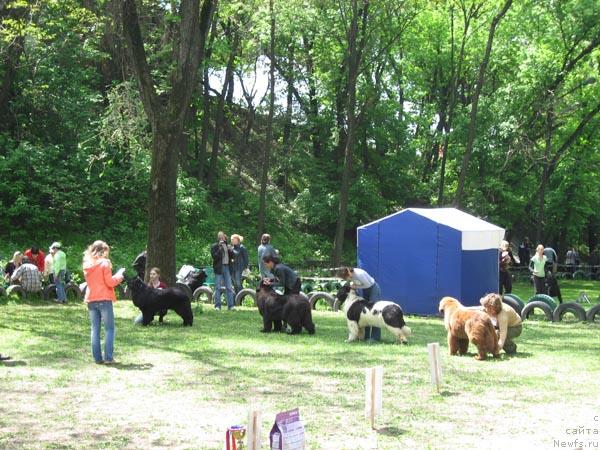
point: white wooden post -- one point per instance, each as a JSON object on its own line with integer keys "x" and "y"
{"x": 435, "y": 365}
{"x": 373, "y": 393}
{"x": 253, "y": 429}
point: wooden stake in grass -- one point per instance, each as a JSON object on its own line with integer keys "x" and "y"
{"x": 253, "y": 429}
{"x": 435, "y": 365}
{"x": 373, "y": 390}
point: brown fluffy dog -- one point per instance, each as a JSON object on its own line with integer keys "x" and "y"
{"x": 466, "y": 325}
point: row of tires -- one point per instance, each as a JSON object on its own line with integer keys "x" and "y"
{"x": 205, "y": 294}
{"x": 550, "y": 309}
{"x": 72, "y": 290}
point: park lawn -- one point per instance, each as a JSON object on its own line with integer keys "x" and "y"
{"x": 178, "y": 387}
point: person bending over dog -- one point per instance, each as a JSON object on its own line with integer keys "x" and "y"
{"x": 367, "y": 288}
{"x": 285, "y": 276}
{"x": 509, "y": 322}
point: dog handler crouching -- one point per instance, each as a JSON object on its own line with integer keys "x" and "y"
{"x": 509, "y": 322}
{"x": 99, "y": 296}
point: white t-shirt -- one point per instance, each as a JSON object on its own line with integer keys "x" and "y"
{"x": 362, "y": 279}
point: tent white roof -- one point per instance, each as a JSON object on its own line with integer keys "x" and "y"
{"x": 477, "y": 234}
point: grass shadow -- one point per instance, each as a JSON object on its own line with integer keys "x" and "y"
{"x": 132, "y": 366}
{"x": 518, "y": 355}
{"x": 448, "y": 394}
{"x": 13, "y": 363}
{"x": 391, "y": 431}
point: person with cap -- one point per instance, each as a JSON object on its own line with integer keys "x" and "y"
{"x": 28, "y": 276}
{"x": 36, "y": 256}
{"x": 59, "y": 269}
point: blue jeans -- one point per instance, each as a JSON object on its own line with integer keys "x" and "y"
{"x": 372, "y": 294}
{"x": 61, "y": 296}
{"x": 224, "y": 279}
{"x": 102, "y": 312}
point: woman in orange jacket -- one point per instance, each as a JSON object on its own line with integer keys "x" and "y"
{"x": 99, "y": 296}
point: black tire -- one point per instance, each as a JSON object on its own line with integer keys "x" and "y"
{"x": 529, "y": 307}
{"x": 593, "y": 312}
{"x": 515, "y": 298}
{"x": 336, "y": 305}
{"x": 545, "y": 299}
{"x": 203, "y": 290}
{"x": 513, "y": 304}
{"x": 73, "y": 289}
{"x": 243, "y": 294}
{"x": 572, "y": 307}
{"x": 321, "y": 296}
{"x": 16, "y": 289}
{"x": 49, "y": 292}
{"x": 185, "y": 288}
{"x": 579, "y": 275}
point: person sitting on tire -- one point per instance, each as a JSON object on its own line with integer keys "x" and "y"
{"x": 28, "y": 276}
{"x": 507, "y": 320}
{"x": 287, "y": 278}
{"x": 537, "y": 266}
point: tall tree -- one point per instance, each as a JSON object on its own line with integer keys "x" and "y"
{"x": 356, "y": 37}
{"x": 475, "y": 101}
{"x": 167, "y": 117}
{"x": 262, "y": 207}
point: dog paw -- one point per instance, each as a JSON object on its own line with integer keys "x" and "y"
{"x": 265, "y": 331}
{"x": 404, "y": 342}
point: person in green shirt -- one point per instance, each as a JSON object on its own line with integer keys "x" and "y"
{"x": 59, "y": 268}
{"x": 537, "y": 267}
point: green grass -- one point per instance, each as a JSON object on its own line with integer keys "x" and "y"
{"x": 178, "y": 387}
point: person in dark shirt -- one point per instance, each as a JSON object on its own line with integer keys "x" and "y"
{"x": 286, "y": 277}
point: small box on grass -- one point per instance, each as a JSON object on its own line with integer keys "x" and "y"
{"x": 287, "y": 432}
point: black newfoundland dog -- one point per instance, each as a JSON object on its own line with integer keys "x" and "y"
{"x": 293, "y": 309}
{"x": 158, "y": 301}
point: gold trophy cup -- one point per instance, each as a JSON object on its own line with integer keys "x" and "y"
{"x": 235, "y": 436}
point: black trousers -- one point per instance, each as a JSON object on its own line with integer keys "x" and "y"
{"x": 505, "y": 282}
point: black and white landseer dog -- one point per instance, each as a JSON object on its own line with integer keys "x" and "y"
{"x": 361, "y": 313}
{"x": 293, "y": 309}
{"x": 158, "y": 301}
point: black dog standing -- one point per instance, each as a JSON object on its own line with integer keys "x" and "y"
{"x": 293, "y": 309}
{"x": 157, "y": 301}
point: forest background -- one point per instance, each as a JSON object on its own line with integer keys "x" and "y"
{"x": 305, "y": 119}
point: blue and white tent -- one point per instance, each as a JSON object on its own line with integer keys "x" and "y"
{"x": 420, "y": 255}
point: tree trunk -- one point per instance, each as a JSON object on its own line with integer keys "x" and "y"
{"x": 269, "y": 139}
{"x": 201, "y": 153}
{"x": 220, "y": 117}
{"x": 353, "y": 57}
{"x": 475, "y": 103}
{"x": 167, "y": 121}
